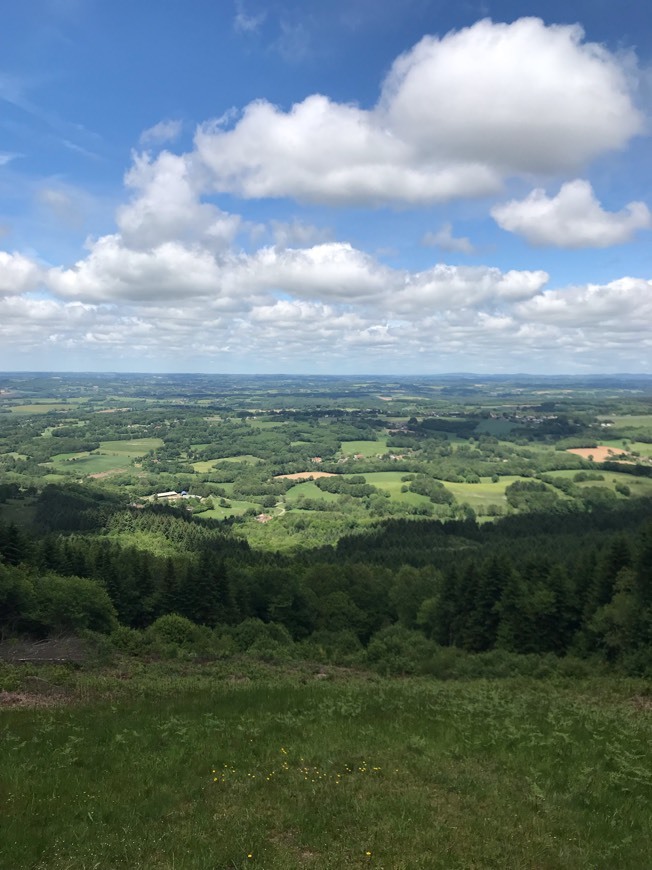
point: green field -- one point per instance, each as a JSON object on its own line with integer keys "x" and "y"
{"x": 40, "y": 408}
{"x": 635, "y": 421}
{"x": 264, "y": 424}
{"x": 236, "y": 510}
{"x": 132, "y": 448}
{"x": 481, "y": 494}
{"x": 111, "y": 455}
{"x": 365, "y": 448}
{"x": 235, "y": 765}
{"x": 309, "y": 489}
{"x": 240, "y": 457}
{"x": 206, "y": 465}
{"x": 391, "y": 482}
{"x": 639, "y": 486}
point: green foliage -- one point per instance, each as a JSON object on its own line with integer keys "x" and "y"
{"x": 70, "y": 605}
{"x": 175, "y": 630}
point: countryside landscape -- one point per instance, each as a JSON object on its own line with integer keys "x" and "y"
{"x": 325, "y": 622}
{"x": 325, "y": 435}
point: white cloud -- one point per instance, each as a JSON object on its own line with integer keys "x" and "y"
{"x": 519, "y": 97}
{"x": 113, "y": 273}
{"x": 18, "y": 274}
{"x": 446, "y": 241}
{"x": 245, "y": 23}
{"x": 326, "y": 152}
{"x": 331, "y": 271}
{"x": 456, "y": 116}
{"x": 167, "y": 206}
{"x": 572, "y": 219}
{"x": 164, "y": 131}
{"x": 622, "y": 306}
{"x": 454, "y": 288}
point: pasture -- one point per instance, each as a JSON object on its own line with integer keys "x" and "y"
{"x": 309, "y": 490}
{"x": 112, "y": 455}
{"x": 639, "y": 486}
{"x": 41, "y": 408}
{"x": 391, "y": 482}
{"x": 236, "y": 509}
{"x": 364, "y": 448}
{"x": 481, "y": 494}
{"x": 633, "y": 421}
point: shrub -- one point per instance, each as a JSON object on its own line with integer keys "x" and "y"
{"x": 178, "y": 631}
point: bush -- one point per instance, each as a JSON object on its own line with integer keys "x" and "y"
{"x": 70, "y": 605}
{"x": 173, "y": 630}
{"x": 129, "y": 640}
{"x": 399, "y": 650}
{"x": 254, "y": 632}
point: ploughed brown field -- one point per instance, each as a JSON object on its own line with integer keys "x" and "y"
{"x": 600, "y": 454}
{"x": 305, "y": 475}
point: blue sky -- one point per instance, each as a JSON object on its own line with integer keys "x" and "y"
{"x": 420, "y": 186}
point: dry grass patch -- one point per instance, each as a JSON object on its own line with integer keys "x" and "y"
{"x": 304, "y": 475}
{"x": 599, "y": 454}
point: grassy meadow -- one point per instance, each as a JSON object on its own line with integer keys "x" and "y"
{"x": 240, "y": 764}
{"x": 364, "y": 448}
{"x": 112, "y": 455}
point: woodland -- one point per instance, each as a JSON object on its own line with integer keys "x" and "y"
{"x": 411, "y": 525}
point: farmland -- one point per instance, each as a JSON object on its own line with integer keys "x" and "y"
{"x": 366, "y": 624}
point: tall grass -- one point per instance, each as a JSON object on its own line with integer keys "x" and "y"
{"x": 200, "y": 767}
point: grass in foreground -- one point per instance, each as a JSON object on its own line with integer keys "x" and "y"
{"x": 215, "y": 767}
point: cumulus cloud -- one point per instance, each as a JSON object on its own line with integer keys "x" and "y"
{"x": 113, "y": 273}
{"x": 446, "y": 241}
{"x": 18, "y": 274}
{"x": 167, "y": 206}
{"x": 519, "y": 96}
{"x": 334, "y": 270}
{"x": 164, "y": 131}
{"x": 455, "y": 288}
{"x": 455, "y": 117}
{"x": 572, "y": 219}
{"x": 620, "y": 306}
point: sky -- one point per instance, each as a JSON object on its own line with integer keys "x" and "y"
{"x": 293, "y": 186}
